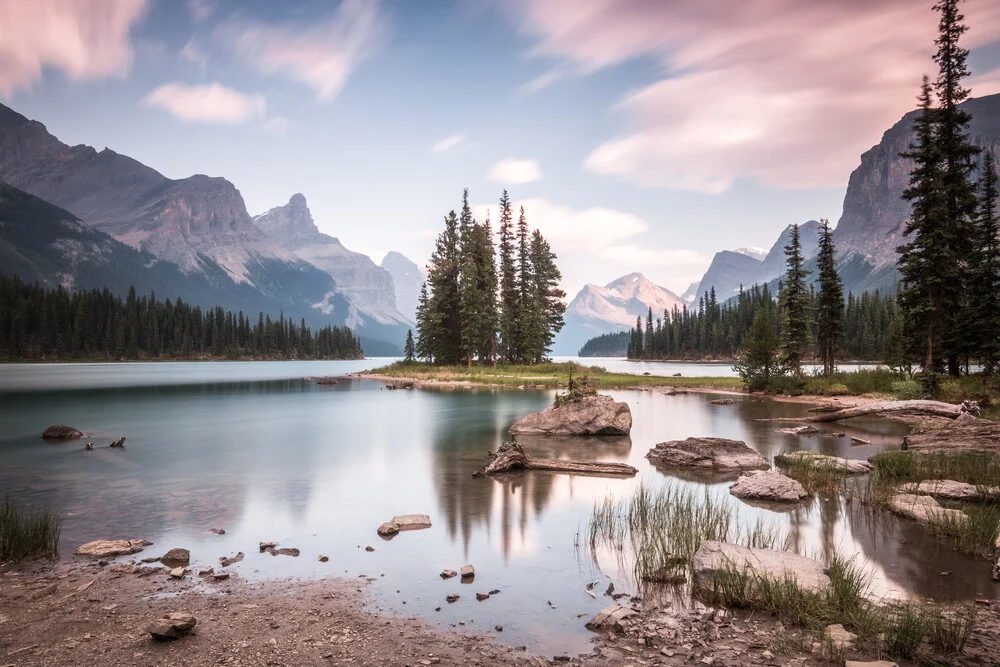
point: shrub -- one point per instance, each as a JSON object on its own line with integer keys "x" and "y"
{"x": 28, "y": 533}
{"x": 907, "y": 390}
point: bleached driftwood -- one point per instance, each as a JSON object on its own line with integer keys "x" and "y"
{"x": 511, "y": 456}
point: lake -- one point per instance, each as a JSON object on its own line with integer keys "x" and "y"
{"x": 255, "y": 449}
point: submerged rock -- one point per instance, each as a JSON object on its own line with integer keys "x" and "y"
{"x": 61, "y": 432}
{"x": 768, "y": 485}
{"x": 403, "y": 522}
{"x": 226, "y": 562}
{"x": 708, "y": 453}
{"x": 172, "y": 626}
{"x": 924, "y": 509}
{"x": 817, "y": 460}
{"x": 594, "y": 415}
{"x": 111, "y": 548}
{"x": 799, "y": 430}
{"x": 722, "y": 401}
{"x": 716, "y": 558}
{"x": 949, "y": 489}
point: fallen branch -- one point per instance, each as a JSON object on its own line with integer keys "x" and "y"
{"x": 919, "y": 407}
{"x": 510, "y": 456}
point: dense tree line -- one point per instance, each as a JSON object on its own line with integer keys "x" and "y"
{"x": 950, "y": 261}
{"x": 37, "y": 322}
{"x": 607, "y": 345}
{"x": 486, "y": 303}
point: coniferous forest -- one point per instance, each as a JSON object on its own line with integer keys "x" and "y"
{"x": 485, "y": 303}
{"x": 40, "y": 323}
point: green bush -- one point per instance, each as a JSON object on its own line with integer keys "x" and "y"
{"x": 907, "y": 390}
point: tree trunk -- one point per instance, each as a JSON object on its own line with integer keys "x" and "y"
{"x": 510, "y": 456}
{"x": 934, "y": 408}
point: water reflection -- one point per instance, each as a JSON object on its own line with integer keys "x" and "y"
{"x": 320, "y": 467}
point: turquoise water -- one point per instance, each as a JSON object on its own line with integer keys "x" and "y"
{"x": 231, "y": 445}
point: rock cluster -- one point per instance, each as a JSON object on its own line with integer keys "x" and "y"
{"x": 594, "y": 415}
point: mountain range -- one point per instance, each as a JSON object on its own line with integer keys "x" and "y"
{"x": 190, "y": 238}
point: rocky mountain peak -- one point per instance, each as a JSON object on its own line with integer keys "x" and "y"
{"x": 292, "y": 223}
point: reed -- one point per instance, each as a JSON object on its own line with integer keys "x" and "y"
{"x": 28, "y": 532}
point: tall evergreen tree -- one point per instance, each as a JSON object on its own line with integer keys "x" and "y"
{"x": 829, "y": 301}
{"x": 444, "y": 305}
{"x": 794, "y": 307}
{"x": 758, "y": 362}
{"x": 983, "y": 322}
{"x": 548, "y": 296}
{"x": 958, "y": 164}
{"x": 509, "y": 295}
{"x": 529, "y": 310}
{"x": 426, "y": 328}
{"x": 927, "y": 260}
{"x": 409, "y": 349}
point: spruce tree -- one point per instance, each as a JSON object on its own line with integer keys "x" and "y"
{"x": 758, "y": 362}
{"x": 829, "y": 301}
{"x": 509, "y": 297}
{"x": 548, "y": 296}
{"x": 409, "y": 349}
{"x": 529, "y": 311}
{"x": 983, "y": 322}
{"x": 958, "y": 166}
{"x": 794, "y": 307}
{"x": 927, "y": 262}
{"x": 444, "y": 301}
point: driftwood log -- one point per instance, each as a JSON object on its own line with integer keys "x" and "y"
{"x": 918, "y": 407}
{"x": 511, "y": 456}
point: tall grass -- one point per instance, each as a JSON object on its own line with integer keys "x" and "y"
{"x": 814, "y": 478}
{"x": 661, "y": 529}
{"x": 862, "y": 381}
{"x": 28, "y": 533}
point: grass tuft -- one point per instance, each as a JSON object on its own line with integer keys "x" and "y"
{"x": 28, "y": 533}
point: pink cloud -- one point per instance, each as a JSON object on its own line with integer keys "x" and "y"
{"x": 85, "y": 39}
{"x": 211, "y": 103}
{"x": 321, "y": 55}
{"x": 784, "y": 92}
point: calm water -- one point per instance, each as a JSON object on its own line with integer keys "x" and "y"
{"x": 320, "y": 467}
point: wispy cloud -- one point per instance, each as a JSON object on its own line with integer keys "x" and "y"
{"x": 784, "y": 92}
{"x": 211, "y": 103}
{"x": 194, "y": 54}
{"x": 515, "y": 172}
{"x": 201, "y": 10}
{"x": 321, "y": 54}
{"x": 448, "y": 143}
{"x": 84, "y": 39}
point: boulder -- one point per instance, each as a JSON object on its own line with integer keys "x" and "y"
{"x": 172, "y": 626}
{"x": 610, "y": 618}
{"x": 817, "y": 460}
{"x": 707, "y": 453}
{"x": 448, "y": 574}
{"x": 61, "y": 432}
{"x": 594, "y": 415}
{"x": 949, "y": 489}
{"x": 482, "y": 596}
{"x": 799, "y": 430}
{"x": 981, "y": 435}
{"x": 714, "y": 558}
{"x": 176, "y": 557}
{"x": 403, "y": 522}
{"x": 467, "y": 572}
{"x": 111, "y": 548}
{"x": 452, "y": 597}
{"x": 924, "y": 509}
{"x": 768, "y": 485}
{"x": 178, "y": 572}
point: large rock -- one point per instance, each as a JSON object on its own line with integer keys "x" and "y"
{"x": 714, "y": 558}
{"x": 61, "y": 432}
{"x": 172, "y": 626}
{"x": 924, "y": 509}
{"x": 403, "y": 522}
{"x": 817, "y": 460}
{"x": 610, "y": 618}
{"x": 111, "y": 548}
{"x": 594, "y": 415}
{"x": 176, "y": 558}
{"x": 981, "y": 436}
{"x": 708, "y": 454}
{"x": 949, "y": 489}
{"x": 768, "y": 485}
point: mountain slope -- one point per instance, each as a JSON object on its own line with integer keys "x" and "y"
{"x": 407, "y": 278}
{"x": 596, "y": 310}
{"x": 369, "y": 287}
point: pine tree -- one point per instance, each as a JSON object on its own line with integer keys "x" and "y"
{"x": 548, "y": 297}
{"x": 509, "y": 298}
{"x": 927, "y": 261}
{"x": 409, "y": 350}
{"x": 983, "y": 322}
{"x": 794, "y": 307}
{"x": 758, "y": 363}
{"x": 829, "y": 302}
{"x": 529, "y": 311}
{"x": 958, "y": 165}
{"x": 444, "y": 301}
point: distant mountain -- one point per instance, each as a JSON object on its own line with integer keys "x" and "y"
{"x": 874, "y": 215}
{"x": 598, "y": 310}
{"x": 199, "y": 224}
{"x": 732, "y": 268}
{"x": 756, "y": 253}
{"x": 691, "y": 293}
{"x": 407, "y": 277}
{"x": 367, "y": 286}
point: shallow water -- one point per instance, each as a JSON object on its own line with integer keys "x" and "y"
{"x": 320, "y": 467}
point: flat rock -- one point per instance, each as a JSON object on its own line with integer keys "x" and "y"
{"x": 594, "y": 415}
{"x": 111, "y": 548}
{"x": 482, "y": 596}
{"x": 768, "y": 485}
{"x": 264, "y": 546}
{"x": 387, "y": 529}
{"x": 949, "y": 489}
{"x": 713, "y": 558}
{"x": 178, "y": 572}
{"x": 217, "y": 531}
{"x": 226, "y": 562}
{"x": 448, "y": 574}
{"x": 924, "y": 509}
{"x": 817, "y": 460}
{"x": 284, "y": 551}
{"x": 799, "y": 430}
{"x": 172, "y": 626}
{"x": 980, "y": 435}
{"x": 707, "y": 453}
{"x": 610, "y": 618}
{"x": 870, "y": 663}
{"x": 176, "y": 557}
{"x": 840, "y": 639}
{"x": 61, "y": 432}
{"x": 403, "y": 522}
{"x": 722, "y": 401}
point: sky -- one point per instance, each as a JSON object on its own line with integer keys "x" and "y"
{"x": 639, "y": 135}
